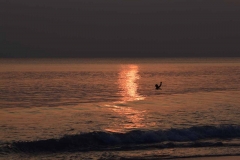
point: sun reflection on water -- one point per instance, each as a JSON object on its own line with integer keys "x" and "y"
{"x": 128, "y": 117}
{"x": 128, "y": 85}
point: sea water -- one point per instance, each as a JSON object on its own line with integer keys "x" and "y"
{"x": 110, "y": 109}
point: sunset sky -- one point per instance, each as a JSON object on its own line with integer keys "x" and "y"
{"x": 119, "y": 28}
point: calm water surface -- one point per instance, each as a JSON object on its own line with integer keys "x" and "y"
{"x": 101, "y": 105}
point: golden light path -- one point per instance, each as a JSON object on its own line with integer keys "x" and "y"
{"x": 128, "y": 77}
{"x": 130, "y": 117}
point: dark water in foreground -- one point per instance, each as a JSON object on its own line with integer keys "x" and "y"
{"x": 109, "y": 108}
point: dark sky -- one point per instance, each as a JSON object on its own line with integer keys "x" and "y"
{"x": 119, "y": 28}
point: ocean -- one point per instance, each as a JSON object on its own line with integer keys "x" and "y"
{"x": 109, "y": 108}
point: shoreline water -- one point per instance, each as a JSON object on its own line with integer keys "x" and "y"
{"x": 214, "y": 157}
{"x": 112, "y": 156}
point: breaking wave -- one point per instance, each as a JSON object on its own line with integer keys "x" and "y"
{"x": 137, "y": 139}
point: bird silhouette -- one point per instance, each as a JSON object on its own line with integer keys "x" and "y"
{"x": 158, "y": 86}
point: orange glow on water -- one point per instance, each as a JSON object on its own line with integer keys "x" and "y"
{"x": 129, "y": 118}
{"x": 128, "y": 77}
{"x": 128, "y": 85}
